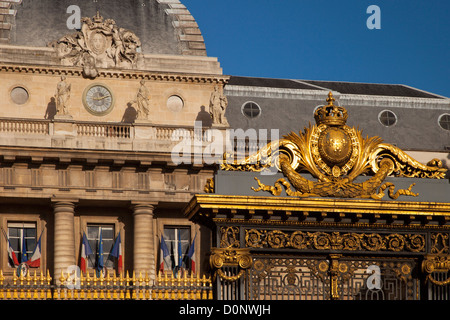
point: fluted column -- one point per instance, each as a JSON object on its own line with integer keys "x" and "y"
{"x": 64, "y": 237}
{"x": 144, "y": 255}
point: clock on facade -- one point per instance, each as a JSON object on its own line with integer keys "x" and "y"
{"x": 98, "y": 99}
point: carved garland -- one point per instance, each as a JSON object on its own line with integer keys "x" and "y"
{"x": 300, "y": 240}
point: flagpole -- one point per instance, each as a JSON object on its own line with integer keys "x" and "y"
{"x": 100, "y": 252}
{"x": 89, "y": 257}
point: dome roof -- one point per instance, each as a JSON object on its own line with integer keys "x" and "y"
{"x": 163, "y": 26}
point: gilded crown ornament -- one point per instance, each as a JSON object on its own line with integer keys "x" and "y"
{"x": 330, "y": 114}
{"x": 335, "y": 155}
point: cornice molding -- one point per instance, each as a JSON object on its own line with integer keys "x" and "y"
{"x": 117, "y": 74}
{"x": 343, "y": 99}
{"x": 208, "y": 206}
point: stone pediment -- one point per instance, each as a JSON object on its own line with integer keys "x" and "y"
{"x": 99, "y": 44}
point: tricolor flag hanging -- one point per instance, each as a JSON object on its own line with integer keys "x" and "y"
{"x": 35, "y": 260}
{"x": 23, "y": 249}
{"x": 165, "y": 256}
{"x": 85, "y": 252}
{"x": 13, "y": 261}
{"x": 191, "y": 255}
{"x": 117, "y": 252}
{"x": 100, "y": 263}
{"x": 12, "y": 256}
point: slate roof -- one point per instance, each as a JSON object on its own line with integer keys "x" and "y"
{"x": 164, "y": 27}
{"x": 270, "y": 83}
{"x": 416, "y": 128}
{"x": 396, "y": 90}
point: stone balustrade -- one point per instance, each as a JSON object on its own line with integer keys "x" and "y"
{"x": 68, "y": 133}
{"x": 104, "y": 130}
{"x": 24, "y": 126}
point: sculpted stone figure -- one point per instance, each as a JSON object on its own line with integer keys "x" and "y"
{"x": 142, "y": 101}
{"x": 217, "y": 105}
{"x": 62, "y": 96}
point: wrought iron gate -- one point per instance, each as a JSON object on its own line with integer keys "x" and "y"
{"x": 335, "y": 277}
{"x": 274, "y": 264}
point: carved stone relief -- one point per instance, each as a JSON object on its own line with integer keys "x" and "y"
{"x": 99, "y": 44}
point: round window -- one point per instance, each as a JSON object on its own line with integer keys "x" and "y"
{"x": 175, "y": 103}
{"x": 19, "y": 95}
{"x": 444, "y": 121}
{"x": 387, "y": 118}
{"x": 251, "y": 110}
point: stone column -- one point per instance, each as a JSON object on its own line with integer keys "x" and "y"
{"x": 64, "y": 239}
{"x": 144, "y": 253}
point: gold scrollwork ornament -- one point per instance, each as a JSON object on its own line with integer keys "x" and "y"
{"x": 335, "y": 155}
{"x": 237, "y": 257}
{"x": 436, "y": 263}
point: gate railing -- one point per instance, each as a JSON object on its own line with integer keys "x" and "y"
{"x": 38, "y": 286}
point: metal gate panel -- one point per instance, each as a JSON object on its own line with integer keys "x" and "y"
{"x": 287, "y": 279}
{"x": 324, "y": 278}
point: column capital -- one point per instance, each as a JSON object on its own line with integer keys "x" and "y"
{"x": 56, "y": 201}
{"x": 143, "y": 207}
{"x": 145, "y": 203}
{"x": 63, "y": 205}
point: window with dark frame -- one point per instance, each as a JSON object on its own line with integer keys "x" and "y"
{"x": 93, "y": 236}
{"x": 20, "y": 234}
{"x": 178, "y": 238}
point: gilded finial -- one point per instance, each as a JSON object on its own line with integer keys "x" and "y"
{"x": 330, "y": 99}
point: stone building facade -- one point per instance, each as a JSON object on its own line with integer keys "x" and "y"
{"x": 89, "y": 118}
{"x": 111, "y": 126}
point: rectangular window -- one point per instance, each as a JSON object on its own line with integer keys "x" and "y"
{"x": 93, "y": 236}
{"x": 22, "y": 236}
{"x": 178, "y": 241}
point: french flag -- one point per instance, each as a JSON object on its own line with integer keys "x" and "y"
{"x": 165, "y": 255}
{"x": 35, "y": 260}
{"x": 13, "y": 261}
{"x": 117, "y": 252}
{"x": 85, "y": 252}
{"x": 191, "y": 255}
{"x": 12, "y": 256}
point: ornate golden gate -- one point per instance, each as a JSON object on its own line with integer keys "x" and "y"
{"x": 306, "y": 217}
{"x": 315, "y": 278}
{"x": 264, "y": 263}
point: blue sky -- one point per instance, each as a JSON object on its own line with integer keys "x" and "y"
{"x": 329, "y": 40}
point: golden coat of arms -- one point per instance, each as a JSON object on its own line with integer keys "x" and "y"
{"x": 335, "y": 155}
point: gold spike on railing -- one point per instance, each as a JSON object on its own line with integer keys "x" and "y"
{"x": 49, "y": 280}
{"x": 2, "y": 292}
{"x": 35, "y": 285}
